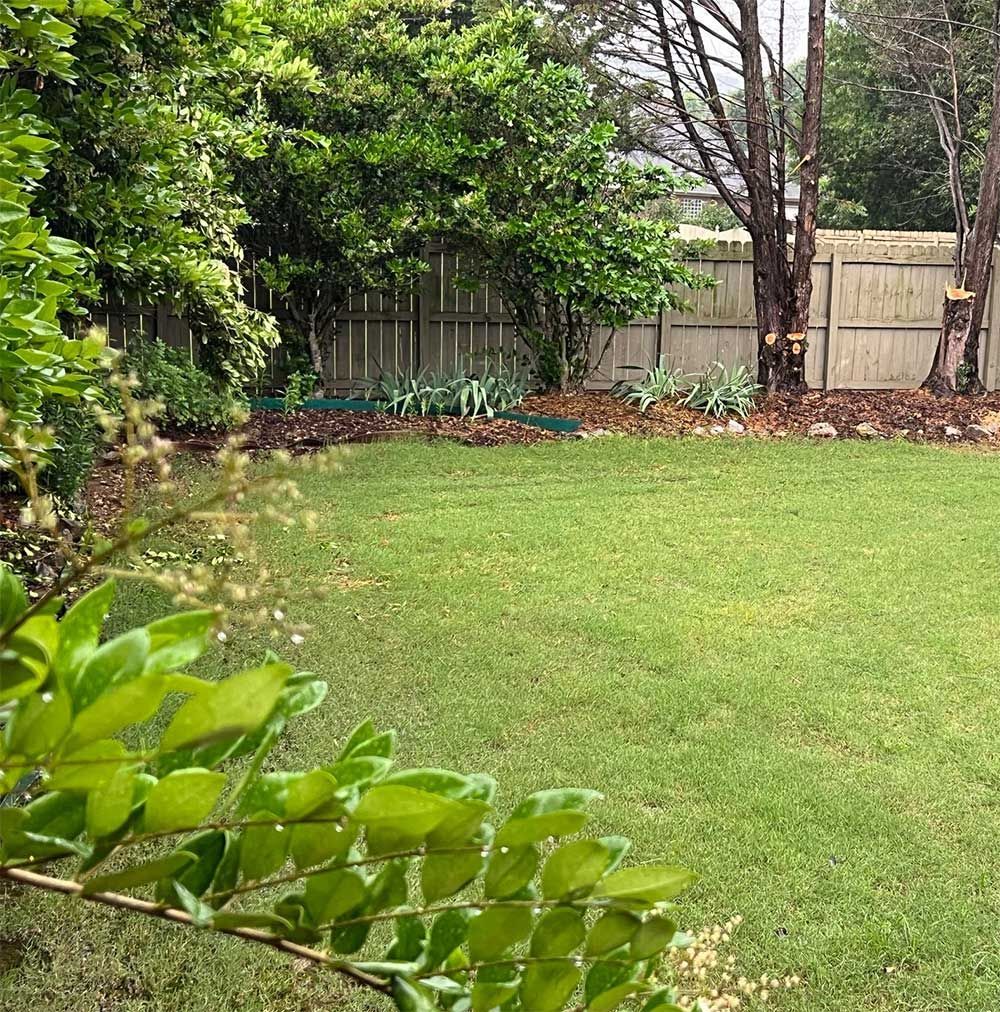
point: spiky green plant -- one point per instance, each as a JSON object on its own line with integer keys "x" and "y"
{"x": 719, "y": 391}
{"x": 660, "y": 383}
{"x": 462, "y": 391}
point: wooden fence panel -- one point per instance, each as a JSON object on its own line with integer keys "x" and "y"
{"x": 875, "y": 315}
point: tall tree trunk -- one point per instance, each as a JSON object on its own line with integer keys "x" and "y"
{"x": 965, "y": 305}
{"x": 805, "y": 222}
{"x": 780, "y": 362}
{"x": 782, "y": 293}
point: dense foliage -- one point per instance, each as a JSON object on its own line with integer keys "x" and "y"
{"x": 881, "y": 147}
{"x": 480, "y": 136}
{"x": 190, "y": 398}
{"x": 357, "y": 166}
{"x": 40, "y": 274}
{"x": 554, "y": 218}
{"x": 151, "y": 108}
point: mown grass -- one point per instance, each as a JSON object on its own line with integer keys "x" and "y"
{"x": 779, "y": 661}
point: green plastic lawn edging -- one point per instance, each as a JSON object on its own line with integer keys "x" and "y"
{"x": 346, "y": 404}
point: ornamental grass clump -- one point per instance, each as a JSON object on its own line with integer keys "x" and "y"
{"x": 716, "y": 392}
{"x": 464, "y": 391}
{"x": 661, "y": 383}
{"x": 719, "y": 391}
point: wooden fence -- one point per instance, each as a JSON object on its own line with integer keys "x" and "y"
{"x": 875, "y": 317}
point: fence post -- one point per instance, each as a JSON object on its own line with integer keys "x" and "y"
{"x": 424, "y": 297}
{"x": 833, "y": 323}
{"x": 992, "y": 326}
{"x": 663, "y": 333}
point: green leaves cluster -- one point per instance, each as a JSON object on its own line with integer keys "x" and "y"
{"x": 554, "y": 216}
{"x": 149, "y": 779}
{"x": 190, "y": 397}
{"x": 40, "y": 274}
{"x": 481, "y": 135}
{"x": 359, "y": 167}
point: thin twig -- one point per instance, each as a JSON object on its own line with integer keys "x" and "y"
{"x": 121, "y": 902}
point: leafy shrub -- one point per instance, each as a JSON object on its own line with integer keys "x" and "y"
{"x": 719, "y": 391}
{"x": 660, "y": 383}
{"x": 297, "y": 389}
{"x": 41, "y": 275}
{"x": 76, "y": 442}
{"x": 190, "y": 397}
{"x": 495, "y": 388}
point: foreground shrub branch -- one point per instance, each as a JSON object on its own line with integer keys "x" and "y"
{"x": 65, "y": 887}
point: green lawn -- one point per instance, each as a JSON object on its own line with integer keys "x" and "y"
{"x": 779, "y": 661}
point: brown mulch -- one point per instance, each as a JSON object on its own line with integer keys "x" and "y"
{"x": 272, "y": 430}
{"x": 911, "y": 414}
{"x": 600, "y": 411}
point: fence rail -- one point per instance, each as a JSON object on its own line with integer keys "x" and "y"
{"x": 875, "y": 316}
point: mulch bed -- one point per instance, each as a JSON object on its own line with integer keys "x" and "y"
{"x": 600, "y": 411}
{"x": 911, "y": 414}
{"x": 309, "y": 429}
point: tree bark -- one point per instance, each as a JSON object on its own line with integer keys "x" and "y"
{"x": 962, "y": 316}
{"x": 805, "y": 228}
{"x": 316, "y": 320}
{"x": 782, "y": 292}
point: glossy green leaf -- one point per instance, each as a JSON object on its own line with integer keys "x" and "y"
{"x": 178, "y": 640}
{"x": 109, "y": 806}
{"x": 265, "y": 846}
{"x": 604, "y": 977}
{"x": 487, "y": 995}
{"x": 547, "y": 987}
{"x": 614, "y": 997}
{"x": 558, "y": 932}
{"x": 534, "y": 828}
{"x": 138, "y": 875}
{"x": 90, "y": 767}
{"x": 80, "y": 630}
{"x": 448, "y": 931}
{"x": 325, "y": 838}
{"x": 122, "y": 706}
{"x": 411, "y": 997}
{"x": 510, "y": 869}
{"x": 406, "y": 809}
{"x": 652, "y": 937}
{"x": 496, "y": 930}
{"x": 229, "y": 709}
{"x": 112, "y": 663}
{"x": 333, "y": 893}
{"x": 182, "y": 800}
{"x": 443, "y": 875}
{"x": 647, "y": 884}
{"x": 13, "y": 599}
{"x": 39, "y": 724}
{"x": 573, "y": 870}
{"x": 610, "y": 931}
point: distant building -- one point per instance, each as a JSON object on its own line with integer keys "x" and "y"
{"x": 692, "y": 202}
